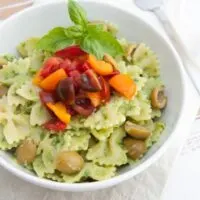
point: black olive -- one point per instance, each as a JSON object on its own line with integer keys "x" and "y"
{"x": 65, "y": 90}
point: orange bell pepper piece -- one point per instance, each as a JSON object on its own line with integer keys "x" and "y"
{"x": 95, "y": 98}
{"x": 123, "y": 84}
{"x": 37, "y": 79}
{"x": 99, "y": 66}
{"x": 51, "y": 81}
{"x": 60, "y": 111}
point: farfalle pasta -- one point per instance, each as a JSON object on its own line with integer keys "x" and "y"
{"x": 28, "y": 91}
{"x": 93, "y": 171}
{"x": 38, "y": 114}
{"x": 109, "y": 152}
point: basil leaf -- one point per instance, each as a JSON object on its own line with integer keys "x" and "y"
{"x": 74, "y": 31}
{"x": 77, "y": 13}
{"x": 91, "y": 45}
{"x": 54, "y": 40}
{"x": 99, "y": 42}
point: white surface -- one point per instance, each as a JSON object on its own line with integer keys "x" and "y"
{"x": 184, "y": 179}
{"x": 183, "y": 182}
{"x": 146, "y": 186}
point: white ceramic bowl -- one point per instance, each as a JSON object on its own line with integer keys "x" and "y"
{"x": 36, "y": 21}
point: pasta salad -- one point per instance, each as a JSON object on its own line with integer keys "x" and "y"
{"x": 79, "y": 102}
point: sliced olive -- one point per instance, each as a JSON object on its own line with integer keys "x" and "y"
{"x": 47, "y": 97}
{"x": 69, "y": 162}
{"x": 130, "y": 49}
{"x": 65, "y": 90}
{"x": 85, "y": 83}
{"x": 110, "y": 60}
{"x": 84, "y": 111}
{"x": 93, "y": 79}
{"x": 158, "y": 98}
{"x": 90, "y": 82}
{"x": 135, "y": 148}
{"x": 83, "y": 106}
{"x": 3, "y": 90}
{"x": 82, "y": 100}
{"x": 26, "y": 152}
{"x": 137, "y": 131}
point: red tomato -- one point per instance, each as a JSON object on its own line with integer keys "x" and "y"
{"x": 83, "y": 67}
{"x": 50, "y": 65}
{"x": 105, "y": 92}
{"x": 76, "y": 64}
{"x": 55, "y": 125}
{"x": 66, "y": 65}
{"x": 76, "y": 76}
{"x": 70, "y": 52}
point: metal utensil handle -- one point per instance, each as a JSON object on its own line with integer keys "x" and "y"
{"x": 187, "y": 59}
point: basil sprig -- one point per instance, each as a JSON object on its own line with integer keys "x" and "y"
{"x": 92, "y": 38}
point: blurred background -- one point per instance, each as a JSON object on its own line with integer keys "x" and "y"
{"x": 8, "y": 7}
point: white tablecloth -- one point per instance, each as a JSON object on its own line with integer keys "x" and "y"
{"x": 145, "y": 186}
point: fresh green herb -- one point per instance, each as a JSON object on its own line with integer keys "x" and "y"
{"x": 55, "y": 40}
{"x": 91, "y": 45}
{"x": 74, "y": 32}
{"x": 77, "y": 13}
{"x": 92, "y": 38}
{"x": 100, "y": 42}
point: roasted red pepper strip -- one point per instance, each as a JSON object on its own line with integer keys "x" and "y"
{"x": 55, "y": 125}
{"x": 105, "y": 92}
{"x": 115, "y": 72}
{"x": 70, "y": 52}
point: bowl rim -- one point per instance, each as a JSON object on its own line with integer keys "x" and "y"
{"x": 80, "y": 187}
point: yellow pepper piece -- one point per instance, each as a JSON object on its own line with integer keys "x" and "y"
{"x": 51, "y": 81}
{"x": 99, "y": 66}
{"x": 37, "y": 79}
{"x": 95, "y": 98}
{"x": 60, "y": 111}
{"x": 123, "y": 84}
